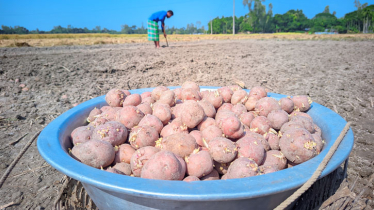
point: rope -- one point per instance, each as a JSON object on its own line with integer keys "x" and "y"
{"x": 15, "y": 161}
{"x": 317, "y": 173}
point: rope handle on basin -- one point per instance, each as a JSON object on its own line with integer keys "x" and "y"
{"x": 317, "y": 173}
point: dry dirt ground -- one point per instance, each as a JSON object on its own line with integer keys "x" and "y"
{"x": 337, "y": 74}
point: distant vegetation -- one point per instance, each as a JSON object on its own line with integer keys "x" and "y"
{"x": 258, "y": 20}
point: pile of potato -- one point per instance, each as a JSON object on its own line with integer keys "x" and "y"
{"x": 191, "y": 135}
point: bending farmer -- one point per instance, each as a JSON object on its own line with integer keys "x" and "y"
{"x": 153, "y": 34}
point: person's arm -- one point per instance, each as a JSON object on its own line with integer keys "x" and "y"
{"x": 163, "y": 28}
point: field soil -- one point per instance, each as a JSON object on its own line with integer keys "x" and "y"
{"x": 38, "y": 84}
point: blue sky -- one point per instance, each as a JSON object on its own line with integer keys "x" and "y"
{"x": 111, "y": 14}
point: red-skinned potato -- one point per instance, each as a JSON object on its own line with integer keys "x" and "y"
{"x": 239, "y": 96}
{"x": 164, "y": 165}
{"x": 226, "y": 94}
{"x": 113, "y": 132}
{"x": 204, "y": 93}
{"x": 95, "y": 113}
{"x": 199, "y": 164}
{"x": 265, "y": 105}
{"x": 81, "y": 134}
{"x": 105, "y": 108}
{"x": 298, "y": 145}
{"x": 178, "y": 93}
{"x": 152, "y": 121}
{"x": 234, "y": 87}
{"x": 250, "y": 104}
{"x": 221, "y": 168}
{"x": 232, "y": 128}
{"x": 192, "y": 85}
{"x": 318, "y": 139}
{"x": 258, "y": 92}
{"x": 251, "y": 148}
{"x": 273, "y": 139}
{"x": 302, "y": 103}
{"x": 260, "y": 125}
{"x": 223, "y": 115}
{"x": 246, "y": 118}
{"x": 306, "y": 122}
{"x": 191, "y": 179}
{"x": 132, "y": 100}
{"x": 303, "y": 114}
{"x": 190, "y": 94}
{"x": 207, "y": 121}
{"x": 208, "y": 108}
{"x": 145, "y": 95}
{"x": 113, "y": 170}
{"x": 277, "y": 118}
{"x": 192, "y": 113}
{"x": 124, "y": 153}
{"x": 184, "y": 167}
{"x": 210, "y": 133}
{"x": 124, "y": 168}
{"x": 260, "y": 138}
{"x": 126, "y": 92}
{"x": 111, "y": 113}
{"x": 94, "y": 153}
{"x": 317, "y": 130}
{"x": 176, "y": 111}
{"x": 140, "y": 157}
{"x": 162, "y": 112}
{"x": 145, "y": 108}
{"x": 214, "y": 175}
{"x": 98, "y": 121}
{"x": 225, "y": 107}
{"x": 176, "y": 126}
{"x": 167, "y": 97}
{"x": 198, "y": 137}
{"x": 239, "y": 109}
{"x": 268, "y": 169}
{"x": 222, "y": 150}
{"x": 115, "y": 97}
{"x": 130, "y": 116}
{"x": 275, "y": 158}
{"x": 241, "y": 168}
{"x": 286, "y": 104}
{"x": 290, "y": 125}
{"x": 214, "y": 98}
{"x": 181, "y": 144}
{"x": 142, "y": 136}
{"x": 148, "y": 100}
{"x": 156, "y": 93}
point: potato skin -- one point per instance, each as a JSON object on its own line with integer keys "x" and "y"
{"x": 152, "y": 121}
{"x": 191, "y": 179}
{"x": 250, "y": 104}
{"x": 275, "y": 158}
{"x": 265, "y": 105}
{"x": 98, "y": 121}
{"x": 303, "y": 114}
{"x": 250, "y": 147}
{"x": 190, "y": 94}
{"x": 318, "y": 139}
{"x": 277, "y": 118}
{"x": 260, "y": 125}
{"x": 221, "y": 168}
{"x": 268, "y": 169}
{"x": 114, "y": 171}
{"x": 156, "y": 93}
{"x": 145, "y": 108}
{"x": 302, "y": 103}
{"x": 232, "y": 128}
{"x": 115, "y": 97}
{"x": 132, "y": 100}
{"x": 306, "y": 122}
{"x": 163, "y": 165}
{"x": 298, "y": 145}
{"x": 181, "y": 144}
{"x": 273, "y": 140}
{"x": 178, "y": 93}
{"x": 167, "y": 97}
{"x": 192, "y": 113}
{"x": 94, "y": 153}
{"x": 123, "y": 167}
{"x": 140, "y": 157}
{"x": 176, "y": 126}
{"x": 130, "y": 116}
{"x": 239, "y": 96}
{"x": 226, "y": 94}
{"x": 286, "y": 105}
{"x": 225, "y": 107}
{"x": 112, "y": 132}
{"x": 81, "y": 134}
{"x": 142, "y": 136}
{"x": 111, "y": 113}
{"x": 124, "y": 153}
{"x": 199, "y": 164}
{"x": 214, "y": 98}
{"x": 210, "y": 133}
{"x": 162, "y": 112}
{"x": 290, "y": 125}
{"x": 214, "y": 175}
{"x": 208, "y": 108}
{"x": 207, "y": 121}
{"x": 145, "y": 95}
{"x": 241, "y": 168}
{"x": 260, "y": 138}
{"x": 198, "y": 137}
{"x": 222, "y": 150}
{"x": 246, "y": 118}
{"x": 93, "y": 115}
{"x": 239, "y": 109}
{"x": 258, "y": 92}
{"x": 192, "y": 85}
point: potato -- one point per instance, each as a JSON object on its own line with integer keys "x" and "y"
{"x": 214, "y": 98}
{"x": 190, "y": 94}
{"x": 303, "y": 114}
{"x": 95, "y": 113}
{"x": 214, "y": 175}
{"x": 232, "y": 128}
{"x": 156, "y": 93}
{"x": 191, "y": 179}
{"x": 176, "y": 126}
{"x": 222, "y": 116}
{"x": 226, "y": 94}
{"x": 204, "y": 93}
{"x": 192, "y": 113}
{"x": 306, "y": 122}
{"x": 224, "y": 177}
{"x": 210, "y": 133}
{"x": 258, "y": 92}
{"x": 302, "y": 103}
{"x": 273, "y": 139}
{"x": 111, "y": 113}
{"x": 192, "y": 85}
{"x": 162, "y": 112}
{"x": 286, "y": 104}
{"x": 112, "y": 132}
{"x": 234, "y": 87}
{"x": 298, "y": 145}
{"x": 318, "y": 139}
{"x": 239, "y": 109}
{"x": 268, "y": 169}
{"x": 199, "y": 164}
{"x": 178, "y": 93}
{"x": 105, "y": 108}
{"x": 124, "y": 153}
{"x": 145, "y": 108}
{"x": 225, "y": 107}
{"x": 152, "y": 121}
{"x": 260, "y": 125}
{"x": 148, "y": 100}
{"x": 94, "y": 153}
{"x": 317, "y": 130}
{"x": 239, "y": 97}
{"x": 123, "y": 167}
{"x": 115, "y": 98}
{"x": 251, "y": 148}
{"x": 145, "y": 95}
{"x": 142, "y": 136}
{"x": 241, "y": 168}
{"x": 260, "y": 138}
{"x": 126, "y": 92}
{"x": 250, "y": 104}
{"x": 208, "y": 108}
{"x": 140, "y": 157}
{"x": 198, "y": 137}
{"x": 81, "y": 134}
{"x": 221, "y": 168}
{"x": 207, "y": 121}
{"x": 275, "y": 158}
{"x": 100, "y": 120}
{"x": 114, "y": 171}
{"x": 277, "y": 118}
{"x": 132, "y": 100}
{"x": 167, "y": 97}
{"x": 246, "y": 118}
{"x": 176, "y": 111}
{"x": 222, "y": 150}
{"x": 130, "y": 116}
{"x": 184, "y": 167}
{"x": 290, "y": 125}
{"x": 181, "y": 144}
{"x": 291, "y": 164}
{"x": 265, "y": 105}
{"x": 164, "y": 165}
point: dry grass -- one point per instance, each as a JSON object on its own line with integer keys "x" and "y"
{"x": 46, "y": 40}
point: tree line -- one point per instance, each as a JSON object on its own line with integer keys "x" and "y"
{"x": 257, "y": 20}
